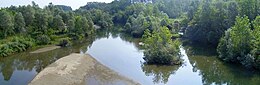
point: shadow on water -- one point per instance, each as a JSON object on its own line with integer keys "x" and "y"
{"x": 214, "y": 71}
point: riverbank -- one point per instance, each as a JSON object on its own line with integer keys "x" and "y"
{"x": 79, "y": 69}
{"x": 45, "y": 49}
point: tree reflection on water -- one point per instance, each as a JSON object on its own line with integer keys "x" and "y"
{"x": 160, "y": 73}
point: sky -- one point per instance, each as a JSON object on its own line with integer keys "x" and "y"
{"x": 75, "y": 4}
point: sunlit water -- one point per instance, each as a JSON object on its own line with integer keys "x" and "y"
{"x": 123, "y": 55}
{"x": 202, "y": 67}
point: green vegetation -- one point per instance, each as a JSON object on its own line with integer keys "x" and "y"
{"x": 15, "y": 44}
{"x": 160, "y": 48}
{"x": 53, "y": 24}
{"x": 213, "y": 17}
{"x": 216, "y": 23}
{"x": 240, "y": 44}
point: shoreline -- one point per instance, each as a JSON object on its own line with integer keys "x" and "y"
{"x": 79, "y": 69}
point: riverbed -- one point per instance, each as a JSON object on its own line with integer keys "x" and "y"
{"x": 122, "y": 54}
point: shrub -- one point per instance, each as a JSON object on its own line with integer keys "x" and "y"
{"x": 159, "y": 47}
{"x": 43, "y": 39}
{"x": 236, "y": 45}
{"x": 63, "y": 42}
{"x": 15, "y": 44}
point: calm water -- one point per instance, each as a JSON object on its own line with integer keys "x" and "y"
{"x": 122, "y": 54}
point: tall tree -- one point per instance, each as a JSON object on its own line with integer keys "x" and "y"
{"x": 59, "y": 24}
{"x": 28, "y": 14}
{"x": 248, "y": 8}
{"x": 84, "y": 25}
{"x": 41, "y": 22}
{"x": 235, "y": 46}
{"x": 6, "y": 24}
{"x": 19, "y": 24}
{"x": 256, "y": 41}
{"x": 232, "y": 12}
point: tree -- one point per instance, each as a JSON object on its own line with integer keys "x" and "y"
{"x": 71, "y": 25}
{"x": 19, "y": 24}
{"x": 159, "y": 47}
{"x": 58, "y": 24}
{"x": 256, "y": 42}
{"x": 209, "y": 23}
{"x": 201, "y": 23}
{"x": 248, "y": 8}
{"x": 85, "y": 26}
{"x": 41, "y": 22}
{"x": 235, "y": 46}
{"x": 79, "y": 30}
{"x": 232, "y": 12}
{"x": 192, "y": 9}
{"x": 6, "y": 24}
{"x": 28, "y": 14}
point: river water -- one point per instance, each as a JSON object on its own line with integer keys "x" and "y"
{"x": 122, "y": 54}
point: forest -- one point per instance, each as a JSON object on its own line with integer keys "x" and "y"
{"x": 232, "y": 27}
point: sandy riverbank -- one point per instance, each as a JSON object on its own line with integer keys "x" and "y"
{"x": 79, "y": 69}
{"x": 45, "y": 49}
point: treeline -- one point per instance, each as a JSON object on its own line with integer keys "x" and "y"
{"x": 138, "y": 15}
{"x": 231, "y": 26}
{"x": 228, "y": 25}
{"x": 145, "y": 19}
{"x": 241, "y": 43}
{"x": 209, "y": 19}
{"x": 208, "y": 22}
{"x": 23, "y": 27}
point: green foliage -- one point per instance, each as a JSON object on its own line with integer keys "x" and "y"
{"x": 145, "y": 16}
{"x": 159, "y": 47}
{"x": 64, "y": 42}
{"x": 256, "y": 42}
{"x": 249, "y": 8}
{"x": 43, "y": 40}
{"x": 53, "y": 23}
{"x": 101, "y": 18}
{"x": 207, "y": 25}
{"x": 19, "y": 23}
{"x": 15, "y": 44}
{"x": 175, "y": 8}
{"x": 235, "y": 46}
{"x": 6, "y": 24}
{"x": 28, "y": 14}
{"x": 40, "y": 23}
{"x": 58, "y": 24}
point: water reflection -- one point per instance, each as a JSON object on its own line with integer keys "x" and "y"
{"x": 160, "y": 74}
{"x": 214, "y": 71}
{"x": 20, "y": 68}
{"x": 122, "y": 53}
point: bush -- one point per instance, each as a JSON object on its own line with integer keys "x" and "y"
{"x": 64, "y": 42}
{"x": 159, "y": 47}
{"x": 15, "y": 44}
{"x": 43, "y": 39}
{"x": 236, "y": 45}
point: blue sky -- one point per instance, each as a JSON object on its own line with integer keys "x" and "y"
{"x": 75, "y": 4}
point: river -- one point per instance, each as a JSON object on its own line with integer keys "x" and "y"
{"x": 122, "y": 54}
